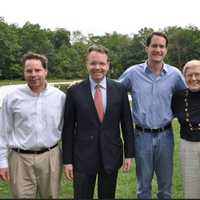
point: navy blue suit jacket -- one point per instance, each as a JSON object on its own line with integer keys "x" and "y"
{"x": 89, "y": 144}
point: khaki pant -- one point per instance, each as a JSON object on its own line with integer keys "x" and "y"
{"x": 190, "y": 166}
{"x": 35, "y": 175}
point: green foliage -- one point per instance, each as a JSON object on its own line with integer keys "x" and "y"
{"x": 184, "y": 44}
{"x": 9, "y": 50}
{"x": 66, "y": 51}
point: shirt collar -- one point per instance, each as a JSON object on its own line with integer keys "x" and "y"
{"x": 147, "y": 68}
{"x": 93, "y": 83}
{"x": 34, "y": 94}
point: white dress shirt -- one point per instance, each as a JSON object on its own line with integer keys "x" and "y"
{"x": 30, "y": 122}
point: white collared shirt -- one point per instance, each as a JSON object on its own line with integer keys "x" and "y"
{"x": 30, "y": 122}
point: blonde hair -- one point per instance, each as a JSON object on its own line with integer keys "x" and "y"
{"x": 190, "y": 64}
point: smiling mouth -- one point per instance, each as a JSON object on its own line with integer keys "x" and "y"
{"x": 157, "y": 55}
{"x": 33, "y": 81}
{"x": 195, "y": 84}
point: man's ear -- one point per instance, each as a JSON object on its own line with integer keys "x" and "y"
{"x": 46, "y": 71}
{"x": 146, "y": 49}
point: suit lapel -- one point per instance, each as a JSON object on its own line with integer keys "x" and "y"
{"x": 109, "y": 98}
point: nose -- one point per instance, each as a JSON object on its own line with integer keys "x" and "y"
{"x": 193, "y": 77}
{"x": 33, "y": 73}
{"x": 157, "y": 48}
{"x": 97, "y": 66}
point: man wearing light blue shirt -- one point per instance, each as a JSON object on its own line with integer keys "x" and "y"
{"x": 152, "y": 85}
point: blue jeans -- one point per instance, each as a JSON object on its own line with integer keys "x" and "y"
{"x": 154, "y": 153}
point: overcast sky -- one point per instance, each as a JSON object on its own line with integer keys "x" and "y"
{"x": 102, "y": 16}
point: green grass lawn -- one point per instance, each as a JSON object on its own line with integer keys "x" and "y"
{"x": 126, "y": 187}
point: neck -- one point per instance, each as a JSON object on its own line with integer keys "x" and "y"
{"x": 155, "y": 67}
{"x": 38, "y": 90}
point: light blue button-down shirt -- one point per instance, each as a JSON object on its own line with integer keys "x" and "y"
{"x": 152, "y": 94}
{"x": 103, "y": 86}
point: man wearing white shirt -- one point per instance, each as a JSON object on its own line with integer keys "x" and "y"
{"x": 30, "y": 129}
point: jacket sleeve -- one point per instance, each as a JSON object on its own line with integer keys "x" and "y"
{"x": 68, "y": 128}
{"x": 127, "y": 127}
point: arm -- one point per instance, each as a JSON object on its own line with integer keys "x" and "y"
{"x": 172, "y": 105}
{"x": 68, "y": 134}
{"x": 4, "y": 172}
{"x": 125, "y": 80}
{"x": 6, "y": 124}
{"x": 63, "y": 100}
{"x": 180, "y": 83}
{"x": 127, "y": 132}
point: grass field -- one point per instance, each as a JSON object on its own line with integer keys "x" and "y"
{"x": 126, "y": 187}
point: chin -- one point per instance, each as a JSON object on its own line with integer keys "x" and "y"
{"x": 194, "y": 89}
{"x": 98, "y": 79}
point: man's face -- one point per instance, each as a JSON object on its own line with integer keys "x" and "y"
{"x": 157, "y": 49}
{"x": 97, "y": 65}
{"x": 192, "y": 77}
{"x": 35, "y": 75}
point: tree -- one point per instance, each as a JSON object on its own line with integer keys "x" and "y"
{"x": 184, "y": 44}
{"x": 9, "y": 51}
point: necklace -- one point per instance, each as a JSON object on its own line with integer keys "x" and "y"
{"x": 187, "y": 113}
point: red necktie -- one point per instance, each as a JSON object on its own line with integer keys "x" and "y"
{"x": 98, "y": 100}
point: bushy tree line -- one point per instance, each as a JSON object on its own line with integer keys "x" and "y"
{"x": 66, "y": 50}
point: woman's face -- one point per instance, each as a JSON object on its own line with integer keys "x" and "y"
{"x": 192, "y": 77}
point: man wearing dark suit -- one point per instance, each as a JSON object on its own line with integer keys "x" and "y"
{"x": 94, "y": 112}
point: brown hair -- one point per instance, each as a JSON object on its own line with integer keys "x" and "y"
{"x": 98, "y": 48}
{"x": 30, "y": 55}
{"x": 148, "y": 41}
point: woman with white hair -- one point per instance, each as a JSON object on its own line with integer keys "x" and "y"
{"x": 186, "y": 107}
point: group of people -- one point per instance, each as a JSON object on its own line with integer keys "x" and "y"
{"x": 99, "y": 135}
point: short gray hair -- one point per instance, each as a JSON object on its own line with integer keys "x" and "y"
{"x": 190, "y": 64}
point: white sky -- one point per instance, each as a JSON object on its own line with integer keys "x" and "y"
{"x": 102, "y": 16}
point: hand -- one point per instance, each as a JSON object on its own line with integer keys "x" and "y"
{"x": 4, "y": 174}
{"x": 127, "y": 164}
{"x": 68, "y": 171}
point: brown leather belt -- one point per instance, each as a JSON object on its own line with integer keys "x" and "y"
{"x": 154, "y": 130}
{"x": 32, "y": 151}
